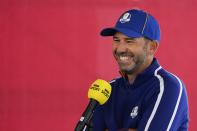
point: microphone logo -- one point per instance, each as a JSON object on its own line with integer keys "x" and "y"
{"x": 95, "y": 87}
{"x": 100, "y": 91}
{"x": 106, "y": 93}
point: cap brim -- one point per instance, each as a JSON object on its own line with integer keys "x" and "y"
{"x": 112, "y": 31}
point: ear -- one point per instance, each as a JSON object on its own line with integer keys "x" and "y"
{"x": 153, "y": 45}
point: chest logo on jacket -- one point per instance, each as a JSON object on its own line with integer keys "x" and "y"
{"x": 134, "y": 112}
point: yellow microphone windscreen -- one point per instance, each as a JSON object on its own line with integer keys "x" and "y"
{"x": 100, "y": 91}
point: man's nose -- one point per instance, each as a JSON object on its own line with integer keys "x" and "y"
{"x": 122, "y": 47}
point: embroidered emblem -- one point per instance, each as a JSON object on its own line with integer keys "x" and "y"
{"x": 125, "y": 18}
{"x": 134, "y": 112}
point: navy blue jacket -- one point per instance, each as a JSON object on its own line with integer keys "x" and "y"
{"x": 156, "y": 101}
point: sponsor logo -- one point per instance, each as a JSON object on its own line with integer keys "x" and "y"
{"x": 95, "y": 87}
{"x": 105, "y": 92}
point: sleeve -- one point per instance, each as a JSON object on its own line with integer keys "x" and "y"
{"x": 165, "y": 109}
{"x": 98, "y": 119}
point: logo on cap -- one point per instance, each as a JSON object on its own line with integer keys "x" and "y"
{"x": 125, "y": 18}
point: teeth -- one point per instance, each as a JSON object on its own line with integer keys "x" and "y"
{"x": 124, "y": 57}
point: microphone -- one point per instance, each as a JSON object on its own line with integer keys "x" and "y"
{"x": 98, "y": 93}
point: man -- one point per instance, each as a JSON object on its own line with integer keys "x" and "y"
{"x": 146, "y": 97}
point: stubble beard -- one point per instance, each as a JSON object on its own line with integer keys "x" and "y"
{"x": 132, "y": 69}
{"x": 138, "y": 61}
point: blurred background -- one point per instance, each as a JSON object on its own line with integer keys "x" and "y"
{"x": 51, "y": 51}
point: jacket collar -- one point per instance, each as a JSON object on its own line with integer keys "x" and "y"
{"x": 149, "y": 71}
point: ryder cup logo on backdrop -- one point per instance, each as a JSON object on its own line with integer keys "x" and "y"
{"x": 125, "y": 18}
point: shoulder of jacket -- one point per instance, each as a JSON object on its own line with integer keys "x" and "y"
{"x": 115, "y": 80}
{"x": 170, "y": 79}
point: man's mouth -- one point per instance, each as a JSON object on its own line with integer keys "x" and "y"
{"x": 124, "y": 59}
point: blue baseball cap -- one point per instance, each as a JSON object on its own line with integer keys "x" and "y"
{"x": 135, "y": 23}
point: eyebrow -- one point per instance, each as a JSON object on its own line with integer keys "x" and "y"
{"x": 130, "y": 39}
{"x": 114, "y": 37}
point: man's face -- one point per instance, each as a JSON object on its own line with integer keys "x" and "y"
{"x": 130, "y": 53}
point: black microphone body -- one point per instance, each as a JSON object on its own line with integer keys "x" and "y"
{"x": 86, "y": 116}
{"x": 98, "y": 93}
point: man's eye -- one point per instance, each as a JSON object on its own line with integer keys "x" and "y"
{"x": 129, "y": 41}
{"x": 116, "y": 40}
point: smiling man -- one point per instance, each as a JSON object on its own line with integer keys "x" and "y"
{"x": 146, "y": 97}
